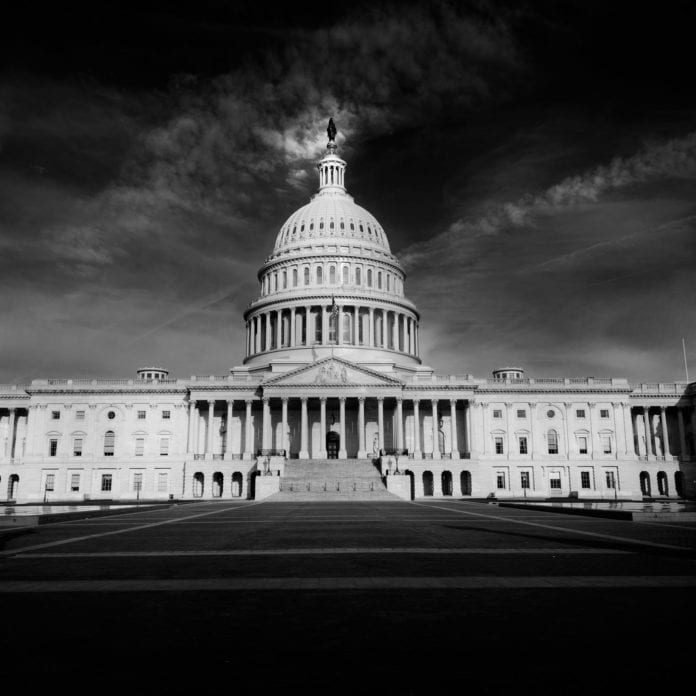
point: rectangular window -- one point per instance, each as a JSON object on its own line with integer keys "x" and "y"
{"x": 106, "y": 482}
{"x": 137, "y": 482}
{"x": 79, "y": 415}
{"x": 521, "y": 413}
{"x": 555, "y": 481}
{"x": 499, "y": 445}
{"x": 162, "y": 482}
{"x": 524, "y": 479}
{"x": 74, "y": 482}
{"x": 52, "y": 447}
{"x": 585, "y": 479}
{"x": 55, "y": 415}
{"x": 582, "y": 445}
{"x": 611, "y": 480}
{"x": 500, "y": 479}
{"x": 166, "y": 415}
{"x": 164, "y": 446}
{"x": 77, "y": 447}
{"x": 141, "y": 415}
{"x": 50, "y": 482}
{"x": 580, "y": 413}
{"x": 139, "y": 446}
{"x": 497, "y": 413}
{"x": 523, "y": 444}
{"x": 606, "y": 444}
{"x": 604, "y": 413}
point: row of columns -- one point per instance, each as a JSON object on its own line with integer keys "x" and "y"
{"x": 647, "y": 445}
{"x": 264, "y": 331}
{"x": 266, "y": 431}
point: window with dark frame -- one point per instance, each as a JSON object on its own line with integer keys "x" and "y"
{"x": 499, "y": 445}
{"x": 523, "y": 444}
{"x": 52, "y": 447}
{"x": 585, "y": 479}
{"x": 106, "y": 482}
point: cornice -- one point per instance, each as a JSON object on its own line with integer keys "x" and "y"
{"x": 325, "y": 298}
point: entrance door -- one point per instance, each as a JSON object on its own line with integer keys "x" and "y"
{"x": 333, "y": 442}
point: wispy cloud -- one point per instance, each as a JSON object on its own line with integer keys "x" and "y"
{"x": 673, "y": 159}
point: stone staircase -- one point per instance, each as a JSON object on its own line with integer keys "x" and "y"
{"x": 331, "y": 479}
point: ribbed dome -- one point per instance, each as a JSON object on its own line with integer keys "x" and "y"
{"x": 330, "y": 215}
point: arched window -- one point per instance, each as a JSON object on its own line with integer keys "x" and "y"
{"x": 379, "y": 280}
{"x": 369, "y": 277}
{"x": 427, "y": 483}
{"x": 320, "y": 275}
{"x": 198, "y": 483}
{"x": 645, "y": 483}
{"x": 347, "y": 336}
{"x": 465, "y": 482}
{"x": 306, "y": 275}
{"x": 294, "y": 277}
{"x": 217, "y": 484}
{"x": 332, "y": 274}
{"x": 388, "y": 281}
{"x": 346, "y": 275}
{"x": 285, "y": 280}
{"x": 358, "y": 278}
{"x": 109, "y": 443}
{"x": 552, "y": 441}
{"x": 446, "y": 480}
{"x": 274, "y": 282}
{"x": 236, "y": 484}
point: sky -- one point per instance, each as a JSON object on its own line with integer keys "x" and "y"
{"x": 532, "y": 163}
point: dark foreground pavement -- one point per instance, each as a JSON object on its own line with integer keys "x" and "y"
{"x": 402, "y": 598}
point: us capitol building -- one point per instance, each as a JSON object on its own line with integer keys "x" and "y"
{"x": 333, "y": 400}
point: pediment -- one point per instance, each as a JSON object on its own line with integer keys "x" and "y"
{"x": 334, "y": 372}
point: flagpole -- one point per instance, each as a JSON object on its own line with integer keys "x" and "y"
{"x": 686, "y": 365}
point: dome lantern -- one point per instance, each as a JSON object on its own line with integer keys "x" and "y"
{"x": 331, "y": 167}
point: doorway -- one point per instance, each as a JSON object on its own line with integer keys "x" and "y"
{"x": 333, "y": 444}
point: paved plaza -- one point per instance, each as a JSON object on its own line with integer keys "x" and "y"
{"x": 362, "y": 597}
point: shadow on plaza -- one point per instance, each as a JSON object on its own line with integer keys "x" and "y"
{"x": 591, "y": 543}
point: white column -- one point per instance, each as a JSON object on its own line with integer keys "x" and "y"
{"x": 309, "y": 338}
{"x": 508, "y": 434}
{"x": 399, "y": 424}
{"x": 665, "y": 434}
{"x": 293, "y": 327}
{"x": 11, "y": 433}
{"x": 380, "y": 423}
{"x": 417, "y": 340}
{"x": 469, "y": 430}
{"x": 322, "y": 434}
{"x": 304, "y": 452}
{"x": 566, "y": 422}
{"x": 268, "y": 331}
{"x": 342, "y": 453}
{"x": 248, "y": 435}
{"x": 417, "y": 454}
{"x": 648, "y": 433}
{"x": 228, "y": 431}
{"x": 628, "y": 429}
{"x": 682, "y": 433}
{"x": 371, "y": 332}
{"x": 592, "y": 443}
{"x": 211, "y": 418}
{"x": 532, "y": 421}
{"x": 361, "y": 428}
{"x": 191, "y": 424}
{"x": 395, "y": 332}
{"x": 619, "y": 428}
{"x": 257, "y": 334}
{"x": 266, "y": 424}
{"x": 284, "y": 426}
{"x": 453, "y": 428}
{"x": 436, "y": 432}
{"x": 404, "y": 333}
{"x": 484, "y": 429}
{"x": 636, "y": 429}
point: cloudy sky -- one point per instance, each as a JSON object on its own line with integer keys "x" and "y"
{"x": 533, "y": 164}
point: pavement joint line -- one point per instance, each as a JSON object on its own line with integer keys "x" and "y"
{"x": 598, "y": 535}
{"x": 61, "y": 542}
{"x": 325, "y": 551}
{"x": 351, "y": 583}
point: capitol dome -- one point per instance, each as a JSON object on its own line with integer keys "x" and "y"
{"x": 332, "y": 285}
